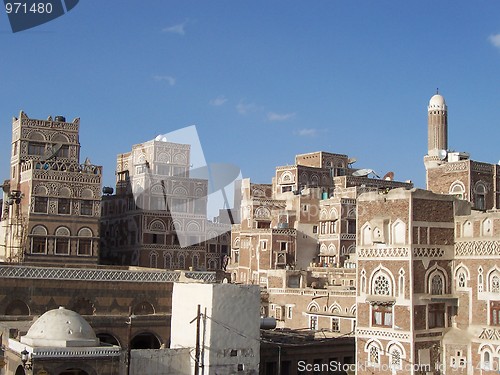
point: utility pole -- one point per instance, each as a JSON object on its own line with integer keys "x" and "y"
{"x": 197, "y": 350}
{"x": 129, "y": 338}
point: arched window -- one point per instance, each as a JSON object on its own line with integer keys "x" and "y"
{"x": 395, "y": 359}
{"x": 401, "y": 286}
{"x": 62, "y": 246}
{"x": 487, "y": 228}
{"x": 399, "y": 233}
{"x": 495, "y": 284}
{"x": 181, "y": 261}
{"x": 467, "y": 229}
{"x": 457, "y": 189}
{"x": 437, "y": 284}
{"x": 366, "y": 235}
{"x": 362, "y": 281}
{"x": 381, "y": 285}
{"x": 461, "y": 278}
{"x": 153, "y": 260}
{"x": 85, "y": 242}
{"x": 39, "y": 240}
{"x": 196, "y": 261}
{"x": 374, "y": 351}
{"x": 168, "y": 261}
{"x": 480, "y": 285}
{"x": 480, "y": 196}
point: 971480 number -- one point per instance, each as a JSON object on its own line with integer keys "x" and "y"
{"x": 19, "y": 8}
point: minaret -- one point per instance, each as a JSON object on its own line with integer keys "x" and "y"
{"x": 437, "y": 125}
{"x": 437, "y": 132}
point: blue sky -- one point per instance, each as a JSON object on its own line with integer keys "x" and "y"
{"x": 262, "y": 80}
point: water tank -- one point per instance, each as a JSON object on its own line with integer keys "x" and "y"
{"x": 324, "y": 195}
{"x": 107, "y": 190}
{"x": 267, "y": 323}
{"x": 60, "y": 119}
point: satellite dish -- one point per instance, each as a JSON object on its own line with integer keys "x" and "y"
{"x": 351, "y": 161}
{"x": 51, "y": 153}
{"x": 442, "y": 154}
{"x": 389, "y": 176}
{"x": 163, "y": 139}
{"x": 362, "y": 172}
{"x": 158, "y": 137}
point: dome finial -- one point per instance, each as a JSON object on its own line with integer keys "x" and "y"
{"x": 437, "y": 90}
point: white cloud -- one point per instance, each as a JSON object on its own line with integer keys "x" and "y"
{"x": 307, "y": 132}
{"x": 218, "y": 101}
{"x": 273, "y": 116}
{"x": 244, "y": 108}
{"x": 170, "y": 80}
{"x": 176, "y": 29}
{"x": 495, "y": 40}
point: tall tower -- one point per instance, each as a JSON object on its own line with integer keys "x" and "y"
{"x": 437, "y": 138}
{"x": 437, "y": 133}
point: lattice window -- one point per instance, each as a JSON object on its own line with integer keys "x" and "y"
{"x": 313, "y": 322}
{"x": 437, "y": 284}
{"x": 461, "y": 279}
{"x": 396, "y": 360}
{"x": 381, "y": 285}
{"x": 374, "y": 355}
{"x": 335, "y": 324}
{"x": 495, "y": 284}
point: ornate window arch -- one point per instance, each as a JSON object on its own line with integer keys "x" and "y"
{"x": 153, "y": 259}
{"x": 313, "y": 307}
{"x": 373, "y": 348}
{"x": 262, "y": 213}
{"x": 396, "y": 354}
{"x": 486, "y": 351}
{"x": 323, "y": 215}
{"x": 335, "y": 308}
{"x": 181, "y": 261}
{"x": 333, "y": 213}
{"x": 457, "y": 189}
{"x": 236, "y": 243}
{"x": 167, "y": 259}
{"x": 314, "y": 180}
{"x": 398, "y": 232}
{"x": 366, "y": 234}
{"x": 461, "y": 277}
{"x": 382, "y": 282}
{"x": 437, "y": 280}
{"x": 494, "y": 281}
{"x": 157, "y": 226}
{"x": 180, "y": 191}
{"x": 287, "y": 177}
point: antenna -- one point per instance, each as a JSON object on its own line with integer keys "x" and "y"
{"x": 389, "y": 176}
{"x": 362, "y": 172}
{"x": 53, "y": 152}
{"x": 442, "y": 154}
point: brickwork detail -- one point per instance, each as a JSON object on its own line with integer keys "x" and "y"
{"x": 384, "y": 334}
{"x": 477, "y": 248}
{"x": 432, "y": 252}
{"x": 387, "y": 252}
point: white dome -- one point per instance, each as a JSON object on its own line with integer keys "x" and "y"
{"x": 60, "y": 328}
{"x": 437, "y": 102}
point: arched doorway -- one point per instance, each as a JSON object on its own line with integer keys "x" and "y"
{"x": 20, "y": 371}
{"x": 145, "y": 340}
{"x": 17, "y": 307}
{"x": 106, "y": 338}
{"x": 74, "y": 371}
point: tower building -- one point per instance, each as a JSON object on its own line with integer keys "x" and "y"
{"x": 452, "y": 172}
{"x": 51, "y": 206}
